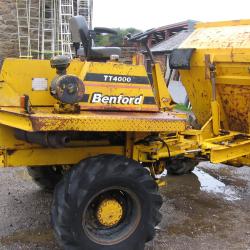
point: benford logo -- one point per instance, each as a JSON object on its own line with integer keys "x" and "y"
{"x": 121, "y": 99}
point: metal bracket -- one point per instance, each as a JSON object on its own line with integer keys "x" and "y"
{"x": 181, "y": 58}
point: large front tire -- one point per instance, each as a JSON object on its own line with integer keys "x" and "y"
{"x": 106, "y": 202}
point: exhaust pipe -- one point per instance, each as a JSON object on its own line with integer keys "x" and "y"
{"x": 46, "y": 139}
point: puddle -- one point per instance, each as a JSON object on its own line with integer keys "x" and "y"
{"x": 198, "y": 181}
{"x": 210, "y": 184}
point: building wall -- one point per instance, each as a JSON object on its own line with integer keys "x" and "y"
{"x": 8, "y": 29}
{"x": 127, "y": 54}
{"x": 161, "y": 58}
{"x": 9, "y": 36}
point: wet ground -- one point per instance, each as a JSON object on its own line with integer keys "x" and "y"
{"x": 209, "y": 209}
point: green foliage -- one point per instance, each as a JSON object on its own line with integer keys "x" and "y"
{"x": 114, "y": 40}
{"x": 182, "y": 107}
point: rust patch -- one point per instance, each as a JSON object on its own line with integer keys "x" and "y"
{"x": 109, "y": 121}
{"x": 236, "y": 104}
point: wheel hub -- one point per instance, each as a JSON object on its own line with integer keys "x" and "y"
{"x": 109, "y": 212}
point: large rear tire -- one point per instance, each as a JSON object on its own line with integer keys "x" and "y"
{"x": 181, "y": 166}
{"x": 107, "y": 202}
{"x": 46, "y": 177}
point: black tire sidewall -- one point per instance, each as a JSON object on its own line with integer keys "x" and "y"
{"x": 95, "y": 188}
{"x": 181, "y": 166}
{"x": 92, "y": 176}
{"x": 45, "y": 177}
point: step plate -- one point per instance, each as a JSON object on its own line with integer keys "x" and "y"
{"x": 44, "y": 120}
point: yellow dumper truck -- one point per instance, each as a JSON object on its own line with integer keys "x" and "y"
{"x": 97, "y": 132}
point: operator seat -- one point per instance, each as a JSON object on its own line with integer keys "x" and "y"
{"x": 81, "y": 34}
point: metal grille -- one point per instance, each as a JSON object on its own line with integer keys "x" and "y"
{"x": 48, "y": 28}
{"x": 85, "y": 8}
{"x": 28, "y": 24}
{"x": 66, "y": 11}
{"x": 43, "y": 26}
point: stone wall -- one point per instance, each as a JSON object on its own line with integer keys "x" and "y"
{"x": 127, "y": 54}
{"x": 8, "y": 29}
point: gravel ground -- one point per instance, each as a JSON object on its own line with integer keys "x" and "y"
{"x": 205, "y": 210}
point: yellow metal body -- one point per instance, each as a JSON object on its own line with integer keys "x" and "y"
{"x": 228, "y": 46}
{"x": 44, "y": 120}
{"x": 109, "y": 212}
{"x": 153, "y": 132}
{"x": 215, "y": 108}
{"x": 111, "y": 78}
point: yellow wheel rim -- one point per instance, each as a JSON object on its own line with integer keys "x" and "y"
{"x": 109, "y": 212}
